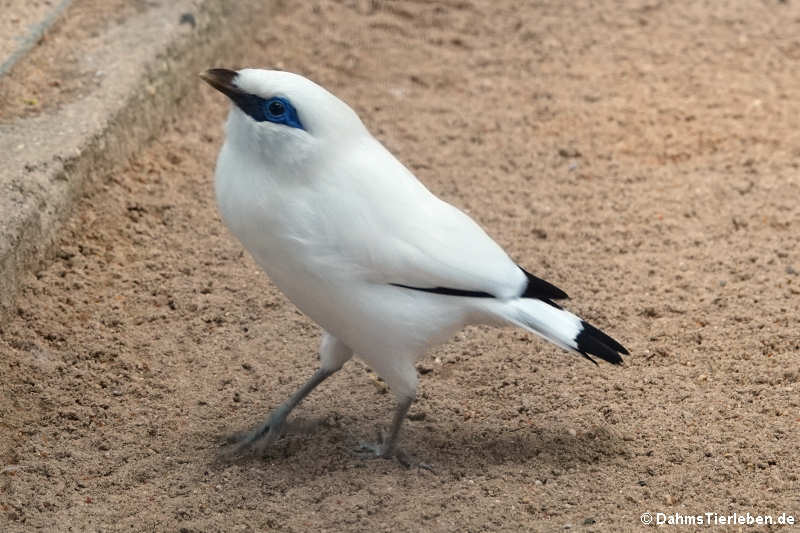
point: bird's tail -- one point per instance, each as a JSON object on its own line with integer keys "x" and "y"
{"x": 563, "y": 329}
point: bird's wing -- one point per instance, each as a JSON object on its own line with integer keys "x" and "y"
{"x": 437, "y": 246}
{"x": 399, "y": 233}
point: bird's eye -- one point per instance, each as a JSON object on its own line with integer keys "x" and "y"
{"x": 276, "y": 108}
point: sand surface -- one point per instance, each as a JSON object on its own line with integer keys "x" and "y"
{"x": 642, "y": 156}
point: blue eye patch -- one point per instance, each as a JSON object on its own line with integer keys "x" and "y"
{"x": 276, "y": 109}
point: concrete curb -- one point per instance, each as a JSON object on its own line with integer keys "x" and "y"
{"x": 147, "y": 64}
{"x": 32, "y": 37}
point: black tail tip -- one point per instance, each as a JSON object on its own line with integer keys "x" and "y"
{"x": 592, "y": 341}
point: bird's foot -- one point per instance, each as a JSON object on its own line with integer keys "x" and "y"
{"x": 372, "y": 450}
{"x": 383, "y": 449}
{"x": 257, "y": 440}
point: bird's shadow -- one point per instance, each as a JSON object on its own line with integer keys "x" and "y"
{"x": 469, "y": 446}
{"x": 530, "y": 444}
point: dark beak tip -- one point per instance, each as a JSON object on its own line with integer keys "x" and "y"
{"x": 221, "y": 79}
{"x": 219, "y": 74}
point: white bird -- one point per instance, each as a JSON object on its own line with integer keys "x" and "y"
{"x": 361, "y": 246}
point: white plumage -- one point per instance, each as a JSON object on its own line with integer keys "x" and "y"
{"x": 360, "y": 245}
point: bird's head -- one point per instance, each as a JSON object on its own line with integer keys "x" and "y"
{"x": 280, "y": 115}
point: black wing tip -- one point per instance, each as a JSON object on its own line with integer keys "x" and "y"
{"x": 593, "y": 341}
{"x": 541, "y": 289}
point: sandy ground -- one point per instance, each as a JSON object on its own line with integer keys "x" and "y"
{"x": 642, "y": 156}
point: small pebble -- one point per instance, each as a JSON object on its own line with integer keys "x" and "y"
{"x": 188, "y": 18}
{"x": 422, "y": 369}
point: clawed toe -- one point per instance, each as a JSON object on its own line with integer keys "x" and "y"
{"x": 383, "y": 450}
{"x": 369, "y": 450}
{"x": 254, "y": 442}
{"x": 373, "y": 449}
{"x": 238, "y": 437}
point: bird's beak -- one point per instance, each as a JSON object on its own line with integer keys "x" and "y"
{"x": 222, "y": 80}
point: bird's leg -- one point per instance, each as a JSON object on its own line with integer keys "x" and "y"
{"x": 332, "y": 355}
{"x": 390, "y": 440}
{"x": 270, "y": 430}
{"x": 386, "y": 448}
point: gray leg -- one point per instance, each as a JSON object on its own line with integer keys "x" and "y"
{"x": 389, "y": 441}
{"x": 270, "y": 430}
{"x": 386, "y": 448}
{"x": 333, "y": 354}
